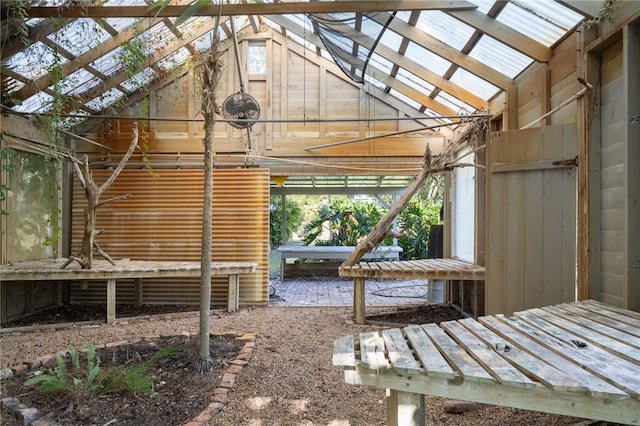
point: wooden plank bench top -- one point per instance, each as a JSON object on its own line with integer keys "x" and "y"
{"x": 432, "y": 269}
{"x": 49, "y": 270}
{"x": 578, "y": 359}
{"x": 437, "y": 269}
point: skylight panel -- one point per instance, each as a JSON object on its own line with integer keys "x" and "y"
{"x": 34, "y": 103}
{"x": 445, "y": 28}
{"x": 381, "y": 63}
{"x": 484, "y": 6}
{"x": 374, "y": 82}
{"x": 392, "y": 40}
{"x": 120, "y": 24}
{"x": 427, "y": 59}
{"x": 105, "y": 100}
{"x": 500, "y": 57}
{"x": 73, "y": 84}
{"x": 174, "y": 60}
{"x": 454, "y": 103}
{"x": 11, "y": 85}
{"x": 34, "y": 61}
{"x": 139, "y": 80}
{"x": 407, "y": 100}
{"x": 545, "y": 21}
{"x": 474, "y": 84}
{"x": 109, "y": 64}
{"x": 414, "y": 81}
{"x": 79, "y": 36}
{"x": 75, "y": 117}
{"x": 156, "y": 37}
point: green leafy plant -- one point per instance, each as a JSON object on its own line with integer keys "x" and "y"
{"x": 76, "y": 383}
{"x": 293, "y": 216}
{"x": 91, "y": 381}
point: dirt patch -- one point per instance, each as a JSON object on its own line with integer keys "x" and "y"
{"x": 180, "y": 392}
{"x": 423, "y": 314}
{"x": 81, "y": 313}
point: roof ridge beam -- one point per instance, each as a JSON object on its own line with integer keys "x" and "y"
{"x": 235, "y": 9}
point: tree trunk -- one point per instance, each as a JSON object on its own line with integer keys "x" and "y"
{"x": 206, "y": 362}
{"x": 381, "y": 230}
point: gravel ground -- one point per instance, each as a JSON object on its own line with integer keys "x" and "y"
{"x": 290, "y": 379}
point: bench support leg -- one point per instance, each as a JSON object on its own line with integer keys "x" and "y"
{"x": 405, "y": 409}
{"x": 137, "y": 292}
{"x": 111, "y": 301}
{"x": 233, "y": 302}
{"x": 358, "y": 300}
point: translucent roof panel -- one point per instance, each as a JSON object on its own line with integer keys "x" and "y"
{"x": 109, "y": 64}
{"x": 381, "y": 63}
{"x": 500, "y": 57}
{"x": 105, "y": 100}
{"x": 474, "y": 84}
{"x": 78, "y": 82}
{"x": 454, "y": 103}
{"x": 11, "y": 84}
{"x": 79, "y": 36}
{"x": 34, "y": 61}
{"x": 445, "y": 28}
{"x": 175, "y": 59}
{"x": 404, "y": 98}
{"x": 427, "y": 59}
{"x": 139, "y": 80}
{"x": 35, "y": 103}
{"x": 120, "y": 24}
{"x": 545, "y": 21}
{"x": 414, "y": 81}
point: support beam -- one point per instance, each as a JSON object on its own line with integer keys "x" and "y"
{"x": 246, "y": 9}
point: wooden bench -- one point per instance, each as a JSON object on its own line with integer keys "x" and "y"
{"x": 432, "y": 269}
{"x": 333, "y": 253}
{"x": 49, "y": 270}
{"x": 579, "y": 359}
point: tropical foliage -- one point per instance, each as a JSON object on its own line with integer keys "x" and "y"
{"x": 293, "y": 219}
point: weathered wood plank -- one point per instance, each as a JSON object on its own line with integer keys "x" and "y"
{"x": 522, "y": 338}
{"x": 398, "y": 351}
{"x": 428, "y": 354}
{"x": 602, "y": 319}
{"x": 457, "y": 356}
{"x": 604, "y": 364}
{"x": 344, "y": 353}
{"x": 530, "y": 364}
{"x": 372, "y": 354}
{"x": 500, "y": 369}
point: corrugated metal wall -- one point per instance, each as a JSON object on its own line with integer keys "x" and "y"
{"x": 163, "y": 221}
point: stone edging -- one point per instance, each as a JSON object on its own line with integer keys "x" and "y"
{"x": 33, "y": 417}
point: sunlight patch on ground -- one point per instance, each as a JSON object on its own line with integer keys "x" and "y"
{"x": 299, "y": 406}
{"x": 338, "y": 423}
{"x": 259, "y": 402}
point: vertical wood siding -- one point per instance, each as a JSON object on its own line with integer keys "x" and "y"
{"x": 611, "y": 191}
{"x": 163, "y": 221}
{"x": 531, "y": 219}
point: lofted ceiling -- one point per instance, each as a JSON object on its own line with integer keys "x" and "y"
{"x": 441, "y": 58}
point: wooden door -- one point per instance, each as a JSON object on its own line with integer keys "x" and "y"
{"x": 531, "y": 218}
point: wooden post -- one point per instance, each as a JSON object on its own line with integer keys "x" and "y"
{"x": 111, "y": 301}
{"x": 358, "y": 300}
{"x": 405, "y": 409}
{"x": 137, "y": 294}
{"x": 234, "y": 293}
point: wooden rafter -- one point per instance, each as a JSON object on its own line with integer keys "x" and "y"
{"x": 503, "y": 33}
{"x": 283, "y": 8}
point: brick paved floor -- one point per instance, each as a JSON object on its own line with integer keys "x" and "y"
{"x": 337, "y": 292}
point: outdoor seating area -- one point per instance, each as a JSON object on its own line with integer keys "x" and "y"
{"x": 580, "y": 359}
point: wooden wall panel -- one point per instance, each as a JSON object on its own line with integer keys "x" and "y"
{"x": 611, "y": 191}
{"x": 531, "y": 219}
{"x": 163, "y": 221}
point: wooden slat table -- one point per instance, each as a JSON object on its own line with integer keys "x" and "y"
{"x": 333, "y": 253}
{"x": 49, "y": 270}
{"x": 433, "y": 269}
{"x": 579, "y": 359}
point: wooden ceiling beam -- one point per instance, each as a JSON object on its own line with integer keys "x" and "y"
{"x": 283, "y": 8}
{"x": 447, "y": 52}
{"x": 392, "y": 56}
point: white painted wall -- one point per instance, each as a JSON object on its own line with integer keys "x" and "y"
{"x": 463, "y": 209}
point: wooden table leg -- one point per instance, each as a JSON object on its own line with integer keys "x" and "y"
{"x": 137, "y": 292}
{"x": 234, "y": 293}
{"x": 358, "y": 300}
{"x": 405, "y": 409}
{"x": 111, "y": 301}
